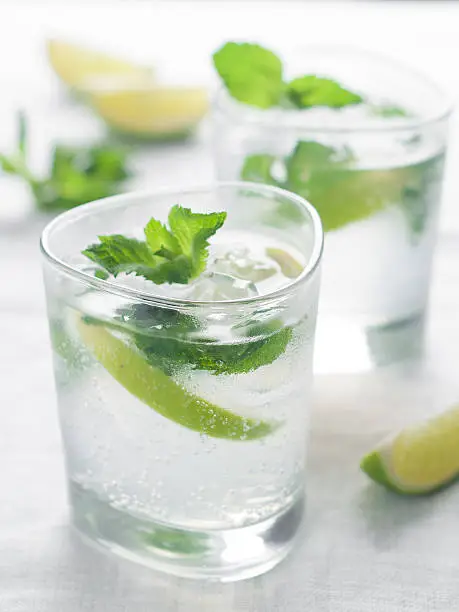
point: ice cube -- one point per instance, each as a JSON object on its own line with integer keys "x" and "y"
{"x": 214, "y": 286}
{"x": 241, "y": 263}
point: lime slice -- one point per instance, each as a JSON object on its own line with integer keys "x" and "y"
{"x": 158, "y": 391}
{"x": 75, "y": 65}
{"x": 420, "y": 459}
{"x": 145, "y": 110}
{"x": 288, "y": 264}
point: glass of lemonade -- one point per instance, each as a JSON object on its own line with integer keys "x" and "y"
{"x": 183, "y": 407}
{"x": 374, "y": 172}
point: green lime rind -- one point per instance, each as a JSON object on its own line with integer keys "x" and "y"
{"x": 158, "y": 391}
{"x": 373, "y": 466}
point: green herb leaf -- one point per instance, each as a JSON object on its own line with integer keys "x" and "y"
{"x": 259, "y": 169}
{"x": 117, "y": 254}
{"x": 389, "y": 111}
{"x": 167, "y": 256}
{"x": 177, "y": 541}
{"x": 252, "y": 74}
{"x": 22, "y": 134}
{"x": 192, "y": 231}
{"x": 170, "y": 340}
{"x": 78, "y": 174}
{"x": 311, "y": 90}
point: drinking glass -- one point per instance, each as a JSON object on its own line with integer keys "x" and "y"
{"x": 184, "y": 419}
{"x": 374, "y": 173}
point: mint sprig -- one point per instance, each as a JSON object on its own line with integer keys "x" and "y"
{"x": 311, "y": 90}
{"x": 251, "y": 73}
{"x": 174, "y": 255}
{"x": 77, "y": 174}
{"x": 254, "y": 75}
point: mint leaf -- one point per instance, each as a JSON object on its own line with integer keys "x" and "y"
{"x": 192, "y": 231}
{"x": 117, "y": 254}
{"x": 251, "y": 74}
{"x": 258, "y": 169}
{"x": 254, "y": 75}
{"x": 311, "y": 90}
{"x": 22, "y": 134}
{"x": 177, "y": 541}
{"x": 241, "y": 357}
{"x": 170, "y": 340}
{"x": 159, "y": 238}
{"x": 167, "y": 256}
{"x": 389, "y": 111}
{"x": 77, "y": 175}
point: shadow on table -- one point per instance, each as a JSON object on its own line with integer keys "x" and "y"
{"x": 388, "y": 516}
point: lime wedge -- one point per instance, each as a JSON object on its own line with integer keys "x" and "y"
{"x": 288, "y": 264}
{"x": 419, "y": 459}
{"x": 146, "y": 110}
{"x": 158, "y": 391}
{"x": 75, "y": 65}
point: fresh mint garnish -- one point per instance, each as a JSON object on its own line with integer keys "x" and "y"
{"x": 254, "y": 75}
{"x": 311, "y": 90}
{"x": 77, "y": 175}
{"x": 174, "y": 255}
{"x": 152, "y": 345}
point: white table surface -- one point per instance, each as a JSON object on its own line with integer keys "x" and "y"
{"x": 363, "y": 550}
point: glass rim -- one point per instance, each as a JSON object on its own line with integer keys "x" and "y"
{"x": 108, "y": 286}
{"x": 268, "y": 118}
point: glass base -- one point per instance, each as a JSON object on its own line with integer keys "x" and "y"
{"x": 344, "y": 346}
{"x": 224, "y": 555}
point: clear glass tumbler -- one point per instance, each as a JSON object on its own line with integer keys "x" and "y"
{"x": 374, "y": 173}
{"x": 184, "y": 422}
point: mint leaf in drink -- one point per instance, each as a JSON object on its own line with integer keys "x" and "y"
{"x": 177, "y": 541}
{"x": 311, "y": 90}
{"x": 259, "y": 169}
{"x": 389, "y": 111}
{"x": 251, "y": 73}
{"x": 174, "y": 255}
{"x": 77, "y": 174}
{"x": 170, "y": 339}
{"x": 240, "y": 357}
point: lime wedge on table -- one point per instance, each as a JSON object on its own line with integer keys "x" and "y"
{"x": 158, "y": 391}
{"x": 145, "y": 109}
{"x": 75, "y": 65}
{"x": 419, "y": 459}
